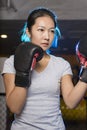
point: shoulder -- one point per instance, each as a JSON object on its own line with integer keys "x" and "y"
{"x": 9, "y": 61}
{"x": 9, "y": 65}
{"x": 59, "y": 60}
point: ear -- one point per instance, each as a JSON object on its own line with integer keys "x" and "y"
{"x": 28, "y": 33}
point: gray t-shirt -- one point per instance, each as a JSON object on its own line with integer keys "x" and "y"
{"x": 42, "y": 107}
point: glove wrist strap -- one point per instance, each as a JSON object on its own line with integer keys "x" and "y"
{"x": 83, "y": 75}
{"x": 22, "y": 81}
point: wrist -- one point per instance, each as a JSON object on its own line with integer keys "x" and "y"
{"x": 83, "y": 75}
{"x": 22, "y": 81}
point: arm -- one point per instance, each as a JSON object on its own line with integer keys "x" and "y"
{"x": 26, "y": 56}
{"x": 72, "y": 94}
{"x": 15, "y": 96}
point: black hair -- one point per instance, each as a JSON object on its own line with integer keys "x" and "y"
{"x": 40, "y": 12}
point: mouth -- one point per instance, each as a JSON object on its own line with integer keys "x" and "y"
{"x": 45, "y": 44}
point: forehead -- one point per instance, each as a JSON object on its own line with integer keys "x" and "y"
{"x": 45, "y": 21}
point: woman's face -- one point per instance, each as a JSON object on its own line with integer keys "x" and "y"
{"x": 42, "y": 32}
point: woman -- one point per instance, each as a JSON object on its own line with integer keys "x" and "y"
{"x": 37, "y": 107}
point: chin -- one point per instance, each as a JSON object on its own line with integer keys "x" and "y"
{"x": 45, "y": 48}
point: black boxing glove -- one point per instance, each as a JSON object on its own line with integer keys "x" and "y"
{"x": 81, "y": 52}
{"x": 83, "y": 74}
{"x": 26, "y": 56}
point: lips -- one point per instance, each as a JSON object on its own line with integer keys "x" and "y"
{"x": 45, "y": 44}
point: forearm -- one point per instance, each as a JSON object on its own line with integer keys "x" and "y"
{"x": 16, "y": 99}
{"x": 76, "y": 94}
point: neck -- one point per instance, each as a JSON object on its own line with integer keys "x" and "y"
{"x": 42, "y": 63}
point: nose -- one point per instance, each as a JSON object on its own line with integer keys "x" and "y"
{"x": 47, "y": 36}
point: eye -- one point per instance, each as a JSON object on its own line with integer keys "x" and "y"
{"x": 41, "y": 29}
{"x": 52, "y": 30}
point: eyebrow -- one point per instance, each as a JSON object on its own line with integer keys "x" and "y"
{"x": 45, "y": 27}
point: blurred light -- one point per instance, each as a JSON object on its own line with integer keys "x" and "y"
{"x": 3, "y": 36}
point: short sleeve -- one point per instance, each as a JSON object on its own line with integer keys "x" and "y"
{"x": 67, "y": 68}
{"x": 8, "y": 66}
